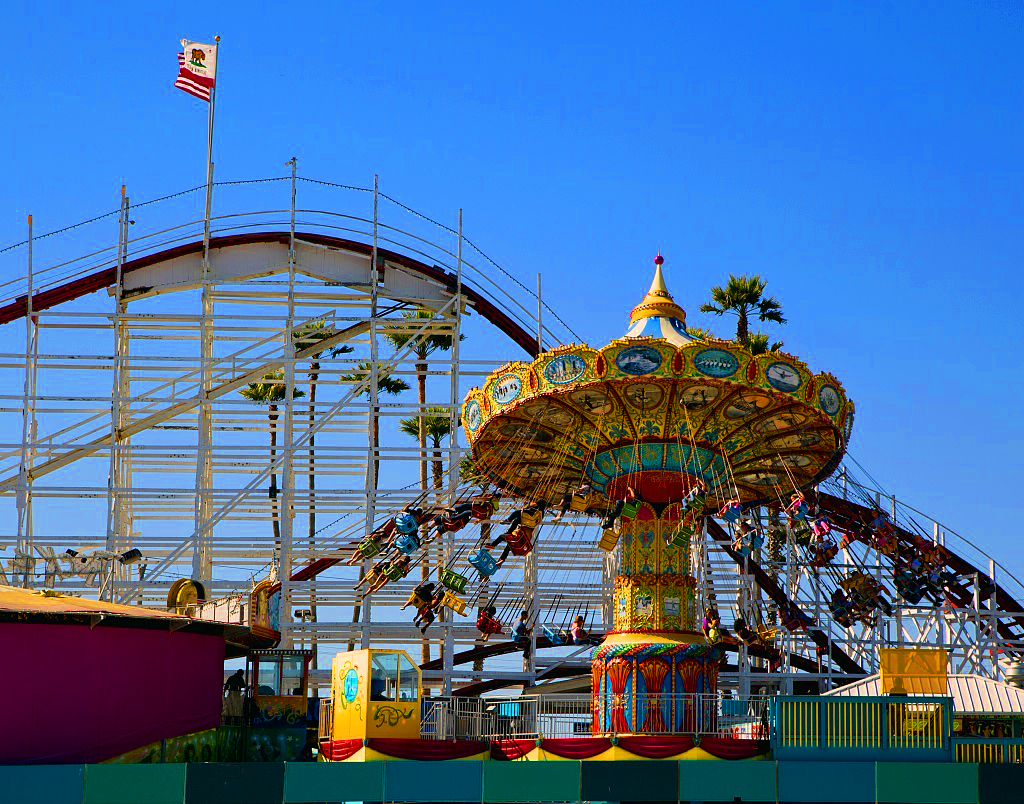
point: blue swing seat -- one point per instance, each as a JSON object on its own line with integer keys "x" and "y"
{"x": 484, "y": 563}
{"x": 408, "y": 543}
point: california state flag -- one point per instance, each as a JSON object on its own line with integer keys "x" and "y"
{"x": 197, "y": 69}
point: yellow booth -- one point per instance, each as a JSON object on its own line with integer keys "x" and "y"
{"x": 374, "y": 693}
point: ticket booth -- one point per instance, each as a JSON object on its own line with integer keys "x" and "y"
{"x": 375, "y": 693}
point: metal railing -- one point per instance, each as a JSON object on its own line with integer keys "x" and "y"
{"x": 560, "y": 716}
{"x": 874, "y": 723}
{"x": 979, "y": 749}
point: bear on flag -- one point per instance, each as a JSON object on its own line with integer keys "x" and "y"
{"x": 197, "y": 69}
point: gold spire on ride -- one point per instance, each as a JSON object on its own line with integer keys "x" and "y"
{"x": 658, "y": 303}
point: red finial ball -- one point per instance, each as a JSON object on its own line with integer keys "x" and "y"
{"x": 659, "y": 260}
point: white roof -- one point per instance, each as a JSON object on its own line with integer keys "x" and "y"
{"x": 971, "y": 694}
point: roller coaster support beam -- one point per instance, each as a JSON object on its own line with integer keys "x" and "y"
{"x": 189, "y": 404}
{"x": 781, "y": 599}
{"x": 261, "y": 477}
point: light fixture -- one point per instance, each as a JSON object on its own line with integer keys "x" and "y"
{"x": 132, "y": 556}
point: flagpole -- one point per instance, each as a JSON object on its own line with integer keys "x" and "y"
{"x": 209, "y": 160}
{"x": 201, "y": 553}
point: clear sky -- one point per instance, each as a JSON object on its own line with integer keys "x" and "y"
{"x": 865, "y": 158}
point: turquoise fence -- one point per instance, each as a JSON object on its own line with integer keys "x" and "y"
{"x": 895, "y": 729}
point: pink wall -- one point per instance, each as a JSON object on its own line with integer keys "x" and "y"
{"x": 71, "y": 694}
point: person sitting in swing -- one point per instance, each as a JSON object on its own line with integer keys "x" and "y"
{"x": 487, "y": 623}
{"x": 797, "y": 508}
{"x": 579, "y": 634}
{"x": 711, "y": 625}
{"x": 484, "y": 506}
{"x": 696, "y": 498}
{"x": 522, "y": 632}
{"x": 731, "y": 511}
{"x": 453, "y": 519}
{"x": 612, "y": 514}
{"x": 379, "y": 574}
{"x": 748, "y": 636}
{"x": 421, "y": 596}
{"x": 521, "y": 524}
{"x": 382, "y": 538}
{"x": 583, "y": 491}
{"x": 841, "y": 608}
{"x": 879, "y": 520}
{"x": 821, "y": 526}
{"x": 425, "y": 614}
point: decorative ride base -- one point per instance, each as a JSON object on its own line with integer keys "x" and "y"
{"x": 648, "y": 683}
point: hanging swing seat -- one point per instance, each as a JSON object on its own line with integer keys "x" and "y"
{"x": 681, "y": 536}
{"x": 484, "y": 563}
{"x": 406, "y": 523}
{"x": 553, "y": 636}
{"x": 697, "y": 504}
{"x": 581, "y": 502}
{"x": 484, "y": 509}
{"x": 609, "y": 538}
{"x": 630, "y": 510}
{"x": 519, "y": 541}
{"x": 487, "y": 624}
{"x": 368, "y": 548}
{"x": 452, "y": 580}
{"x": 408, "y": 543}
{"x": 456, "y": 604}
{"x": 801, "y": 534}
{"x": 731, "y": 513}
{"x": 766, "y": 634}
{"x": 397, "y": 571}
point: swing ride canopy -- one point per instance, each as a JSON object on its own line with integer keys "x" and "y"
{"x": 656, "y": 410}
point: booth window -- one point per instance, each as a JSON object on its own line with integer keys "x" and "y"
{"x": 268, "y": 679}
{"x": 409, "y": 678}
{"x": 384, "y": 677}
{"x": 291, "y": 676}
{"x": 280, "y": 675}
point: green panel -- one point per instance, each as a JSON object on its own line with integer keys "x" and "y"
{"x": 320, "y": 782}
{"x": 827, "y": 781}
{"x": 716, "y": 780}
{"x": 135, "y": 784}
{"x": 926, "y": 782}
{"x": 42, "y": 784}
{"x": 234, "y": 783}
{"x": 457, "y": 780}
{"x": 532, "y": 781}
{"x": 639, "y": 780}
{"x": 999, "y": 784}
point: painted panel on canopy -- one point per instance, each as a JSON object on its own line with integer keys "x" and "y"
{"x": 566, "y": 367}
{"x": 638, "y": 357}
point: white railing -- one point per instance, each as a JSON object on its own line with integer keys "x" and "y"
{"x": 559, "y": 716}
{"x": 326, "y": 709}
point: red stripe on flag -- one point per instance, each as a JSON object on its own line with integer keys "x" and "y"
{"x": 197, "y": 86}
{"x": 202, "y": 94}
{"x": 202, "y": 80}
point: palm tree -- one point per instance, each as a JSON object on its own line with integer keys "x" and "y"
{"x": 272, "y": 391}
{"x": 437, "y": 426}
{"x": 423, "y": 347}
{"x": 388, "y": 385}
{"x": 304, "y": 338}
{"x": 757, "y": 343}
{"x": 703, "y": 334}
{"x": 744, "y": 298}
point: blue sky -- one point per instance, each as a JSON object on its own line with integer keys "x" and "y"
{"x": 865, "y": 158}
